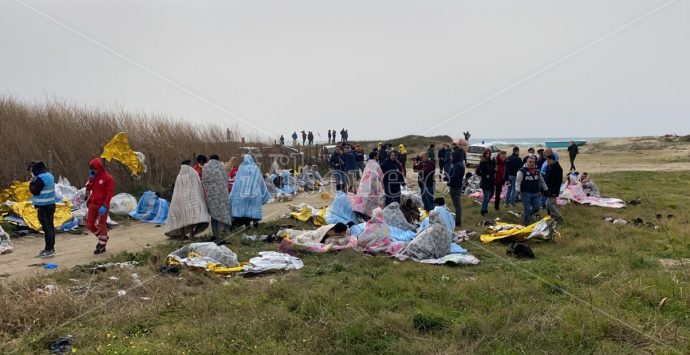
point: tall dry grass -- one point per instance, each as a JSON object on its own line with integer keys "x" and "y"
{"x": 66, "y": 137}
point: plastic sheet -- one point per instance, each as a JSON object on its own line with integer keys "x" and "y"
{"x": 270, "y": 261}
{"x": 123, "y": 204}
{"x": 543, "y": 229}
{"x": 208, "y": 256}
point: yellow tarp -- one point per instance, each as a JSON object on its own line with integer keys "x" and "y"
{"x": 17, "y": 192}
{"x": 118, "y": 149}
{"x": 29, "y": 213}
{"x": 516, "y": 233}
{"x": 305, "y": 213}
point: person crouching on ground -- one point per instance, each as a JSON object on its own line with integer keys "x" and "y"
{"x": 553, "y": 179}
{"x": 529, "y": 184}
{"x": 42, "y": 187}
{"x": 487, "y": 172}
{"x": 100, "y": 188}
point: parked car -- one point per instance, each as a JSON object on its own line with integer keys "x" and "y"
{"x": 474, "y": 153}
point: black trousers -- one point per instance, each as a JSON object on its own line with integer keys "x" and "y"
{"x": 497, "y": 196}
{"x": 45, "y": 217}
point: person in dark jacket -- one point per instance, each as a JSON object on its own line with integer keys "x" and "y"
{"x": 282, "y": 140}
{"x": 431, "y": 153}
{"x": 426, "y": 170}
{"x": 499, "y": 179}
{"x": 329, "y": 136}
{"x": 553, "y": 179}
{"x": 337, "y": 164}
{"x": 455, "y": 177}
{"x": 541, "y": 158}
{"x": 402, "y": 157}
{"x": 359, "y": 160}
{"x": 393, "y": 178}
{"x": 383, "y": 153}
{"x": 572, "y": 153}
{"x": 100, "y": 188}
{"x": 513, "y": 164}
{"x": 304, "y": 137}
{"x": 350, "y": 165}
{"x": 42, "y": 187}
{"x": 441, "y": 162}
{"x": 487, "y": 172}
{"x": 458, "y": 155}
{"x": 310, "y": 138}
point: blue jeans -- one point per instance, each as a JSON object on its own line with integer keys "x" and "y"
{"x": 532, "y": 204}
{"x": 510, "y": 195}
{"x": 544, "y": 199}
{"x": 487, "y": 198}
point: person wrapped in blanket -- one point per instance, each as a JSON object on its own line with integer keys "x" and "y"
{"x": 324, "y": 239}
{"x": 589, "y": 186}
{"x": 432, "y": 242}
{"x": 249, "y": 194}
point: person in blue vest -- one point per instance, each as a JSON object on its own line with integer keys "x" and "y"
{"x": 42, "y": 187}
{"x": 530, "y": 184}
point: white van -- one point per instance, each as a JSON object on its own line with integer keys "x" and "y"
{"x": 474, "y": 153}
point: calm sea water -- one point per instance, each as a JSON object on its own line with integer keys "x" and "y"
{"x": 528, "y": 142}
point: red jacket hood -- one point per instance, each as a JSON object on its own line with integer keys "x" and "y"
{"x": 97, "y": 165}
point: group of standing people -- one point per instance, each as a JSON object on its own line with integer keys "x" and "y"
{"x": 222, "y": 194}
{"x": 332, "y": 135}
{"x": 308, "y": 137}
{"x": 536, "y": 178}
{"x": 390, "y": 164}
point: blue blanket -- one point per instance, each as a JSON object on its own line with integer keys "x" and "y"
{"x": 151, "y": 209}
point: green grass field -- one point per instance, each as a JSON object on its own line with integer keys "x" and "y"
{"x": 600, "y": 288}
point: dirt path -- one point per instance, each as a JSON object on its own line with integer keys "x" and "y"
{"x": 73, "y": 250}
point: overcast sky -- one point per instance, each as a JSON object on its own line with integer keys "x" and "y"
{"x": 382, "y": 69}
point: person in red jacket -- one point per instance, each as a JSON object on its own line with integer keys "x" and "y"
{"x": 499, "y": 178}
{"x": 100, "y": 189}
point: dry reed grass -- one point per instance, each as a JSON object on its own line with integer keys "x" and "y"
{"x": 67, "y": 137}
